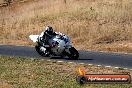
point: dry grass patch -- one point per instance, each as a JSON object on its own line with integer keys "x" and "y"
{"x": 18, "y": 72}
{"x": 90, "y": 23}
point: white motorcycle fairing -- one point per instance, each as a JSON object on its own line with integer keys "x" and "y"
{"x": 59, "y": 45}
{"x": 34, "y": 38}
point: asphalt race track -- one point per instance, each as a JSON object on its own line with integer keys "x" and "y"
{"x": 90, "y": 57}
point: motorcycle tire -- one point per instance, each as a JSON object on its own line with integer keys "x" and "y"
{"x": 73, "y": 53}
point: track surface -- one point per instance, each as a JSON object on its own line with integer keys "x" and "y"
{"x": 101, "y": 58}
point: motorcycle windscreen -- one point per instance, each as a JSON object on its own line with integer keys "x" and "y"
{"x": 34, "y": 38}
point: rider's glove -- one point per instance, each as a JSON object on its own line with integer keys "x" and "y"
{"x": 41, "y": 39}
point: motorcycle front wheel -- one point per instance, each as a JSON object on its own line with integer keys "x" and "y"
{"x": 73, "y": 53}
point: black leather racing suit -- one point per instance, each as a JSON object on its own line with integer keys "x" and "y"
{"x": 47, "y": 36}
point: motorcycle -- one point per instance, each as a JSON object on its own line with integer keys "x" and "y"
{"x": 59, "y": 45}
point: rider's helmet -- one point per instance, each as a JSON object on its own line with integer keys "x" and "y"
{"x": 49, "y": 30}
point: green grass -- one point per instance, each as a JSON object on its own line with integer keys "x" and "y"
{"x": 18, "y": 72}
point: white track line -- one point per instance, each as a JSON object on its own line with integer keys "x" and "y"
{"x": 108, "y": 66}
{"x": 70, "y": 62}
{"x": 99, "y": 65}
{"x": 60, "y": 61}
{"x": 125, "y": 68}
{"x": 117, "y": 67}
{"x": 48, "y": 60}
{"x": 90, "y": 64}
{"x": 81, "y": 63}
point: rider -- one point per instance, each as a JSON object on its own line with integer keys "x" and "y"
{"x": 47, "y": 34}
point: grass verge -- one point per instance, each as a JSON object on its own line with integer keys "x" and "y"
{"x": 18, "y": 72}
